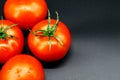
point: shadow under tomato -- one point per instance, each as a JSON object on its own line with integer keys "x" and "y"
{"x": 62, "y": 62}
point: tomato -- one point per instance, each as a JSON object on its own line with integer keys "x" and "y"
{"x": 22, "y": 67}
{"x": 26, "y": 13}
{"x": 11, "y": 40}
{"x": 49, "y": 40}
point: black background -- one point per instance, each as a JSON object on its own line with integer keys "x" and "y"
{"x": 95, "y": 48}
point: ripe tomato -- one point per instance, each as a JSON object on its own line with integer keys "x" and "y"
{"x": 49, "y": 40}
{"x": 22, "y": 67}
{"x": 26, "y": 13}
{"x": 11, "y": 40}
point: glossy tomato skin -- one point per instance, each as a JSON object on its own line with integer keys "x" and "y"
{"x": 26, "y": 13}
{"x": 40, "y": 47}
{"x": 11, "y": 46}
{"x": 22, "y": 67}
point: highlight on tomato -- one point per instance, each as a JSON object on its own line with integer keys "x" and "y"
{"x": 11, "y": 40}
{"x": 22, "y": 67}
{"x": 25, "y": 13}
{"x": 49, "y": 40}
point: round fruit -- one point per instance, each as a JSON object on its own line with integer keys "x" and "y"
{"x": 26, "y": 13}
{"x": 49, "y": 40}
{"x": 22, "y": 67}
{"x": 11, "y": 40}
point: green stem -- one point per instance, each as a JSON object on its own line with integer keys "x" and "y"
{"x": 50, "y": 31}
{"x": 56, "y": 24}
{"x": 48, "y": 28}
{"x": 3, "y": 34}
{"x": 59, "y": 40}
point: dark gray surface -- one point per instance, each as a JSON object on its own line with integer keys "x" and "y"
{"x": 95, "y": 48}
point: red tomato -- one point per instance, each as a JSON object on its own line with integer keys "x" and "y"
{"x": 26, "y": 13}
{"x": 49, "y": 44}
{"x": 22, "y": 67}
{"x": 11, "y": 40}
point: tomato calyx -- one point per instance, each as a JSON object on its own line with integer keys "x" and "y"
{"x": 3, "y": 34}
{"x": 50, "y": 31}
